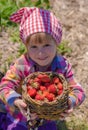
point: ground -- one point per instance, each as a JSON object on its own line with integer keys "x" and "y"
{"x": 73, "y": 15}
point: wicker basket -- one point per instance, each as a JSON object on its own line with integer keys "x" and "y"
{"x": 45, "y": 109}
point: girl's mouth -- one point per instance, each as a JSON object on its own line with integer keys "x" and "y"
{"x": 43, "y": 58}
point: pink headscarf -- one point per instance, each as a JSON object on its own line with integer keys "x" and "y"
{"x": 33, "y": 20}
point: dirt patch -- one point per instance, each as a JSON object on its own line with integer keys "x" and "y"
{"x": 73, "y": 15}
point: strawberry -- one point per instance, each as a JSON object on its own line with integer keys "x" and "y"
{"x": 45, "y": 93}
{"x": 37, "y": 80}
{"x": 40, "y": 76}
{"x": 60, "y": 92}
{"x": 30, "y": 81}
{"x": 29, "y": 87}
{"x": 44, "y": 78}
{"x": 47, "y": 84}
{"x": 42, "y": 88}
{"x": 39, "y": 97}
{"x": 56, "y": 80}
{"x": 50, "y": 97}
{"x": 52, "y": 88}
{"x": 32, "y": 92}
{"x": 60, "y": 86}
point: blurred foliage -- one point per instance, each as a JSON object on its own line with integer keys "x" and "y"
{"x": 72, "y": 125}
{"x": 7, "y": 7}
{"x": 14, "y": 34}
{"x": 63, "y": 48}
{"x": 22, "y": 49}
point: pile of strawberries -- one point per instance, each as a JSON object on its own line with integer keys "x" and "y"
{"x": 44, "y": 87}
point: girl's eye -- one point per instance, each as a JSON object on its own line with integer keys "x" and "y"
{"x": 33, "y": 46}
{"x": 46, "y": 45}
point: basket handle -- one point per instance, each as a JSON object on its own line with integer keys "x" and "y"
{"x": 32, "y": 124}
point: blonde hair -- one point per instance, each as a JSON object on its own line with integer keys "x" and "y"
{"x": 40, "y": 37}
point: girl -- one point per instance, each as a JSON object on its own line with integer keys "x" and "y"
{"x": 41, "y": 32}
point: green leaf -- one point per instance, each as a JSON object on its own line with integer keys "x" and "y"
{"x": 38, "y": 3}
{"x": 46, "y": 1}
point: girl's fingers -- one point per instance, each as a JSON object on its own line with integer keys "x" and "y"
{"x": 22, "y": 107}
{"x": 69, "y": 111}
{"x": 20, "y": 103}
{"x": 24, "y": 112}
{"x": 33, "y": 116}
{"x": 65, "y": 114}
{"x": 62, "y": 118}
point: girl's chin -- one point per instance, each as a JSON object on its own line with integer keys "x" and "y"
{"x": 44, "y": 64}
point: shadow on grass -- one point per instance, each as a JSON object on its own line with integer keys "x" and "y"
{"x": 61, "y": 125}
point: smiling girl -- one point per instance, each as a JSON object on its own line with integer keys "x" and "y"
{"x": 41, "y": 33}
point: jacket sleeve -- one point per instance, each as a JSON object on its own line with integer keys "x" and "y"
{"x": 11, "y": 84}
{"x": 76, "y": 95}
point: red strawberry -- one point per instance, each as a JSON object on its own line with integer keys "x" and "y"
{"x": 44, "y": 78}
{"x": 60, "y": 86}
{"x": 32, "y": 92}
{"x": 60, "y": 92}
{"x": 40, "y": 76}
{"x": 56, "y": 80}
{"x": 45, "y": 93}
{"x": 30, "y": 81}
{"x": 42, "y": 88}
{"x": 50, "y": 97}
{"x": 37, "y": 80}
{"x": 29, "y": 87}
{"x": 39, "y": 97}
{"x": 47, "y": 84}
{"x": 52, "y": 89}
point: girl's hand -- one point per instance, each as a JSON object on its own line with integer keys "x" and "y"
{"x": 65, "y": 114}
{"x": 22, "y": 106}
{"x": 33, "y": 116}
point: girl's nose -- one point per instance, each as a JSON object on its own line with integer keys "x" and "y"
{"x": 40, "y": 51}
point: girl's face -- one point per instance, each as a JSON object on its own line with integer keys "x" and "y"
{"x": 41, "y": 49}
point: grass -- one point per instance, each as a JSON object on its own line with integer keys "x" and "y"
{"x": 7, "y": 7}
{"x": 63, "y": 48}
{"x": 14, "y": 34}
{"x": 73, "y": 124}
{"x": 0, "y": 55}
